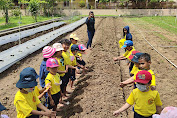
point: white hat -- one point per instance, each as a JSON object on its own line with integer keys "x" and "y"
{"x": 58, "y": 46}
{"x": 76, "y": 38}
{"x": 73, "y": 35}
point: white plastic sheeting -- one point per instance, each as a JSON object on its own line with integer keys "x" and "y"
{"x": 16, "y": 36}
{"x": 16, "y": 53}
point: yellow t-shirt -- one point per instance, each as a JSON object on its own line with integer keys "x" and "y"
{"x": 134, "y": 69}
{"x": 121, "y": 42}
{"x": 25, "y": 103}
{"x": 153, "y": 83}
{"x": 70, "y": 48}
{"x": 128, "y": 53}
{"x": 79, "y": 54}
{"x": 145, "y": 102}
{"x": 36, "y": 90}
{"x": 61, "y": 62}
{"x": 73, "y": 59}
{"x": 66, "y": 56}
{"x": 53, "y": 79}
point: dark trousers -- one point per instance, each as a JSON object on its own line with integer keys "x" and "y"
{"x": 90, "y": 36}
{"x": 131, "y": 66}
{"x": 140, "y": 116}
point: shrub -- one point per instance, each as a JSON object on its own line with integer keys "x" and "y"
{"x": 34, "y": 8}
{"x": 82, "y": 3}
{"x": 16, "y": 12}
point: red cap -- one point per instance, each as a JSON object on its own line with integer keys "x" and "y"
{"x": 143, "y": 77}
{"x": 132, "y": 54}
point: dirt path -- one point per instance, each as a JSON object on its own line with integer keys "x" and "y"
{"x": 98, "y": 94}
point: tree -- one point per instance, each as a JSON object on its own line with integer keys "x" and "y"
{"x": 34, "y": 8}
{"x": 4, "y": 5}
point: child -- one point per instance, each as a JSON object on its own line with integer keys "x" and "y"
{"x": 2, "y": 108}
{"x": 79, "y": 59}
{"x": 54, "y": 79}
{"x": 74, "y": 49}
{"x": 128, "y": 45}
{"x": 66, "y": 55}
{"x": 144, "y": 62}
{"x": 134, "y": 59}
{"x": 147, "y": 102}
{"x": 73, "y": 40}
{"x": 127, "y": 36}
{"x": 62, "y": 66}
{"x": 26, "y": 101}
{"x": 47, "y": 53}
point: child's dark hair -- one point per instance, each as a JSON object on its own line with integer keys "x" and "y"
{"x": 146, "y": 57}
{"x": 149, "y": 82}
{"x": 45, "y": 59}
{"x": 65, "y": 41}
{"x": 91, "y": 12}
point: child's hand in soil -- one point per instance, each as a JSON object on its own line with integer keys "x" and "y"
{"x": 122, "y": 84}
{"x": 115, "y": 58}
{"x": 116, "y": 113}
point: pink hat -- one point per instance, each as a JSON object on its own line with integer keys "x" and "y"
{"x": 48, "y": 51}
{"x": 82, "y": 47}
{"x": 52, "y": 62}
{"x": 167, "y": 112}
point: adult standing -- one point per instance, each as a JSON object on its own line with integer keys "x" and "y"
{"x": 90, "y": 21}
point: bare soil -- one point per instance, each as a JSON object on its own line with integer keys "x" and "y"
{"x": 97, "y": 94}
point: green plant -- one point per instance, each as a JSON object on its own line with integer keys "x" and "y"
{"x": 4, "y": 5}
{"x": 34, "y": 8}
{"x": 92, "y": 7}
{"x": 16, "y": 12}
{"x": 82, "y": 3}
{"x": 103, "y": 6}
{"x": 121, "y": 4}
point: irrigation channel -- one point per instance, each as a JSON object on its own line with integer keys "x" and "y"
{"x": 97, "y": 94}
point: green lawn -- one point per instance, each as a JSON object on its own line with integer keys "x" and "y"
{"x": 165, "y": 22}
{"x": 73, "y": 19}
{"x": 25, "y": 20}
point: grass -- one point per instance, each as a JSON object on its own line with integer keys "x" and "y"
{"x": 165, "y": 22}
{"x": 25, "y": 20}
{"x": 75, "y": 18}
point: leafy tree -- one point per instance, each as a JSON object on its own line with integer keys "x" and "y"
{"x": 34, "y": 8}
{"x": 4, "y": 5}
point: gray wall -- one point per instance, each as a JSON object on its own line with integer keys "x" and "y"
{"x": 146, "y": 12}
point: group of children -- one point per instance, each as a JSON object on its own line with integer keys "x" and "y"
{"x": 60, "y": 64}
{"x": 144, "y": 96}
